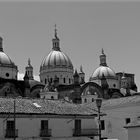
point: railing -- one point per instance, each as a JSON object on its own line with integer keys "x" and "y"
{"x": 45, "y": 133}
{"x": 85, "y": 132}
{"x": 9, "y": 133}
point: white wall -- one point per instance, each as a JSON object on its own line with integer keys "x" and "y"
{"x": 62, "y": 128}
{"x": 115, "y": 120}
{"x": 134, "y": 133}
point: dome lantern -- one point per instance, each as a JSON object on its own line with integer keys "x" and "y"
{"x": 103, "y": 59}
{"x": 1, "y": 47}
{"x": 55, "y": 41}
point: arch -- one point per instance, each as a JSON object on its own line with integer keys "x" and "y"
{"x": 96, "y": 86}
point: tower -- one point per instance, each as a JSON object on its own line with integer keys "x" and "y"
{"x": 27, "y": 85}
{"x": 76, "y": 77}
{"x": 81, "y": 76}
{"x": 124, "y": 82}
{"x": 29, "y": 70}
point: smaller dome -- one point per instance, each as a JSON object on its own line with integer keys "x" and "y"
{"x": 5, "y": 59}
{"x": 103, "y": 70}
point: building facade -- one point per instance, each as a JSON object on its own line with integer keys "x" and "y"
{"x": 41, "y": 119}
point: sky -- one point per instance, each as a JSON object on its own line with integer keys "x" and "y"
{"x": 84, "y": 28}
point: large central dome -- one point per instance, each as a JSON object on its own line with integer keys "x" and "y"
{"x": 56, "y": 64}
{"x": 56, "y": 58}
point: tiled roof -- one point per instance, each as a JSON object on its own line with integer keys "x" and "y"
{"x": 110, "y": 103}
{"x": 42, "y": 106}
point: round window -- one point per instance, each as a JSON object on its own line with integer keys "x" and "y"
{"x": 7, "y": 74}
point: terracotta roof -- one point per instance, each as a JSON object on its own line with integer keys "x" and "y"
{"x": 42, "y": 106}
{"x": 116, "y": 102}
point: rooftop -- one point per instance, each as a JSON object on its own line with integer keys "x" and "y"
{"x": 43, "y": 106}
{"x": 118, "y": 102}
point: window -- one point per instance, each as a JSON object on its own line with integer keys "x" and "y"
{"x": 127, "y": 120}
{"x": 52, "y": 97}
{"x": 85, "y": 100}
{"x": 69, "y": 80}
{"x": 11, "y": 132}
{"x": 64, "y": 80}
{"x": 78, "y": 124}
{"x": 102, "y": 125}
{"x": 92, "y": 99}
{"x": 7, "y": 74}
{"x": 45, "y": 81}
{"x": 114, "y": 85}
{"x": 51, "y": 80}
{"x": 44, "y": 124}
{"x": 10, "y": 125}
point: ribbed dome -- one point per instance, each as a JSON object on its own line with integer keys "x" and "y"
{"x": 4, "y": 59}
{"x": 103, "y": 70}
{"x": 56, "y": 58}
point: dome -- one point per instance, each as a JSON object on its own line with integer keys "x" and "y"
{"x": 56, "y": 58}
{"x": 8, "y": 68}
{"x": 56, "y": 64}
{"x": 4, "y": 59}
{"x": 103, "y": 70}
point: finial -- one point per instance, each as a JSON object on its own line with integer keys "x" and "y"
{"x": 81, "y": 69}
{"x": 29, "y": 61}
{"x": 123, "y": 74}
{"x": 1, "y": 47}
{"x": 55, "y": 30}
{"x": 102, "y": 51}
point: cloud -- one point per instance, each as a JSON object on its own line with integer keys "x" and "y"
{"x": 21, "y": 75}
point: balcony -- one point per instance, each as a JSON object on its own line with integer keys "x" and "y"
{"x": 45, "y": 133}
{"x": 85, "y": 132}
{"x": 9, "y": 133}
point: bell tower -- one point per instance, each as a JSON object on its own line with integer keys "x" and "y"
{"x": 29, "y": 70}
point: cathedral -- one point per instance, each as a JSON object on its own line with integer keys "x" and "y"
{"x": 60, "y": 80}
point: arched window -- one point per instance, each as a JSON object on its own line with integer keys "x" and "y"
{"x": 51, "y": 80}
{"x": 85, "y": 100}
{"x": 69, "y": 80}
{"x": 45, "y": 81}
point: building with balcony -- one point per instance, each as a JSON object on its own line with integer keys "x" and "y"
{"x": 37, "y": 119}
